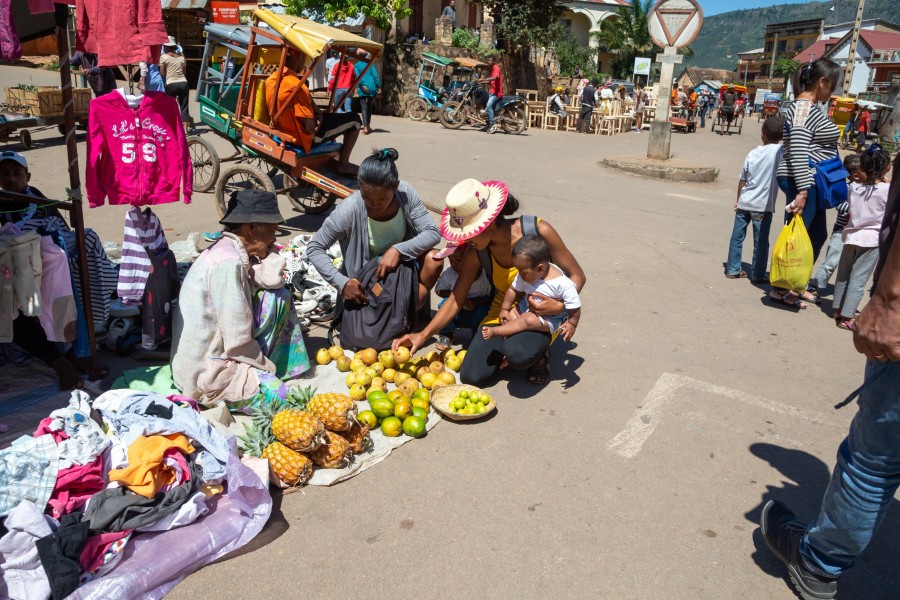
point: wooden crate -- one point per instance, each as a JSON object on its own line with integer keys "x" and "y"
{"x": 45, "y": 101}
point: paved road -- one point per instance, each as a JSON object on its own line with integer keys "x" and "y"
{"x": 683, "y": 402}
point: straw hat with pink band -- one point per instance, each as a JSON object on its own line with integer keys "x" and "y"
{"x": 471, "y": 208}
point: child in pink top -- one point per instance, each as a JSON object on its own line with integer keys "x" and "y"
{"x": 868, "y": 200}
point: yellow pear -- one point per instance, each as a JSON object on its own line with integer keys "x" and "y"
{"x": 322, "y": 356}
{"x": 432, "y": 356}
{"x": 336, "y": 352}
{"x": 400, "y": 377}
{"x": 369, "y": 356}
{"x": 446, "y": 377}
{"x": 357, "y": 392}
{"x": 386, "y": 358}
{"x": 377, "y": 367}
{"x": 421, "y": 371}
{"x": 436, "y": 367}
{"x": 379, "y": 383}
{"x": 363, "y": 378}
{"x": 453, "y": 363}
{"x": 356, "y": 364}
{"x": 428, "y": 380}
{"x": 461, "y": 355}
{"x": 343, "y": 363}
{"x": 389, "y": 375}
{"x": 350, "y": 379}
{"x": 401, "y": 355}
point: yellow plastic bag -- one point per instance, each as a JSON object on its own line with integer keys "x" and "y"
{"x": 792, "y": 259}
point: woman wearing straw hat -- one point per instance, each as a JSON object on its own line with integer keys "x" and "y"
{"x": 479, "y": 213}
{"x": 172, "y": 67}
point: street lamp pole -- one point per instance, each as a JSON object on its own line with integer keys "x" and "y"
{"x": 851, "y": 53}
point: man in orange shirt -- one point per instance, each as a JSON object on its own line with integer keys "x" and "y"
{"x": 302, "y": 120}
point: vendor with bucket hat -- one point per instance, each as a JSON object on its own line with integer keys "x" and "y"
{"x": 236, "y": 335}
{"x": 480, "y": 215}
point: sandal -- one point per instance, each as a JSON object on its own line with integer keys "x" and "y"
{"x": 788, "y": 299}
{"x": 810, "y": 296}
{"x": 539, "y": 373}
{"x": 845, "y": 323}
{"x": 741, "y": 275}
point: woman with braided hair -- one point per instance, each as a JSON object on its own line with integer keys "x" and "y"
{"x": 809, "y": 137}
{"x": 384, "y": 218}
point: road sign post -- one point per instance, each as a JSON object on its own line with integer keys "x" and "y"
{"x": 673, "y": 24}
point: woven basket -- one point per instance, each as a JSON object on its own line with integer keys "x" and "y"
{"x": 441, "y": 397}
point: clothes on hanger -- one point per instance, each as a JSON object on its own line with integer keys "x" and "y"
{"x": 10, "y": 48}
{"x": 144, "y": 237}
{"x": 160, "y": 298}
{"x": 120, "y": 32}
{"x": 137, "y": 151}
{"x": 20, "y": 277}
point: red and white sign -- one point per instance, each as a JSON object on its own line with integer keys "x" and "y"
{"x": 227, "y": 13}
{"x": 675, "y": 23}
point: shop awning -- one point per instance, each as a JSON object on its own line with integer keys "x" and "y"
{"x": 313, "y": 38}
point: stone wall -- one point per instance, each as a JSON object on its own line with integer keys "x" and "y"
{"x": 400, "y": 74}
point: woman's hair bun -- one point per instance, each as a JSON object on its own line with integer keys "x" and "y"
{"x": 383, "y": 154}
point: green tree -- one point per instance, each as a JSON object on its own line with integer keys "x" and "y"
{"x": 524, "y": 22}
{"x": 383, "y": 11}
{"x": 785, "y": 67}
{"x": 626, "y": 36}
{"x": 572, "y": 54}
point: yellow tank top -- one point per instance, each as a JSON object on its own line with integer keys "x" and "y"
{"x": 503, "y": 278}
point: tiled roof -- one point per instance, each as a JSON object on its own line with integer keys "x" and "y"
{"x": 817, "y": 49}
{"x": 698, "y": 75}
{"x": 881, "y": 40}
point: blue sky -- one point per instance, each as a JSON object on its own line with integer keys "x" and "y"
{"x": 714, "y": 7}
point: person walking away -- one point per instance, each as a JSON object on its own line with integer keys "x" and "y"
{"x": 588, "y": 100}
{"x": 342, "y": 74}
{"x": 850, "y": 128}
{"x": 450, "y": 13}
{"x": 819, "y": 281}
{"x": 477, "y": 303}
{"x": 640, "y": 99}
{"x": 809, "y": 137}
{"x": 495, "y": 80}
{"x": 703, "y": 105}
{"x": 369, "y": 87}
{"x": 755, "y": 203}
{"x": 729, "y": 98}
{"x": 531, "y": 258}
{"x": 868, "y": 201}
{"x": 862, "y": 128}
{"x": 692, "y": 103}
{"x": 172, "y": 67}
{"x": 865, "y": 477}
{"x": 333, "y": 59}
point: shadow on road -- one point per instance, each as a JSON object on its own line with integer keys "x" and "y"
{"x": 875, "y": 575}
{"x": 275, "y": 527}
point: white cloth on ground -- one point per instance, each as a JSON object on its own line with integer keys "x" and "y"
{"x": 28, "y": 471}
{"x": 22, "y": 576}
{"x": 86, "y": 438}
{"x": 194, "y": 508}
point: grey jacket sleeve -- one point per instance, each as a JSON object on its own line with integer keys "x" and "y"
{"x": 427, "y": 234}
{"x": 337, "y": 227}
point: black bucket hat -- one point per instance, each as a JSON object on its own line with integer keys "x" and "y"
{"x": 252, "y": 206}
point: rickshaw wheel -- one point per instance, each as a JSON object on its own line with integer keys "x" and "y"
{"x": 306, "y": 197}
{"x": 205, "y": 163}
{"x": 240, "y": 177}
{"x": 513, "y": 121}
{"x": 25, "y": 138}
{"x": 453, "y": 115}
{"x": 417, "y": 109}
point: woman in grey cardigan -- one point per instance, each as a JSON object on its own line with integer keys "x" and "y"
{"x": 385, "y": 217}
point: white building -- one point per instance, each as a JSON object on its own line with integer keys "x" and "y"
{"x": 583, "y": 18}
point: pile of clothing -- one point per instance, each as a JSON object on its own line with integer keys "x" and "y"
{"x": 131, "y": 474}
{"x": 315, "y": 298}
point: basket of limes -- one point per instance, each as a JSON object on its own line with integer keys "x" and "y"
{"x": 462, "y": 402}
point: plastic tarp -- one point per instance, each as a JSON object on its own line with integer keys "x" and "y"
{"x": 313, "y": 38}
{"x": 154, "y": 563}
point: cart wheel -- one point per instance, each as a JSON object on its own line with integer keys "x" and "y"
{"x": 240, "y": 177}
{"x": 513, "y": 121}
{"x": 205, "y": 163}
{"x": 25, "y": 138}
{"x": 417, "y": 109}
{"x": 61, "y": 129}
{"x": 306, "y": 197}
{"x": 453, "y": 115}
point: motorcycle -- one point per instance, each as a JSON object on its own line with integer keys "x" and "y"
{"x": 468, "y": 106}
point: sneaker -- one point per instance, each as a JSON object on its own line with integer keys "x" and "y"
{"x": 493, "y": 129}
{"x": 305, "y": 306}
{"x": 212, "y": 236}
{"x": 783, "y": 531}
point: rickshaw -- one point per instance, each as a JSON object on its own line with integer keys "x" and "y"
{"x": 237, "y": 61}
{"x": 739, "y": 104}
{"x": 771, "y": 107}
{"x": 432, "y": 71}
{"x": 840, "y": 110}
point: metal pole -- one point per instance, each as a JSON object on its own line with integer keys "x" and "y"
{"x": 77, "y": 216}
{"x": 772, "y": 65}
{"x": 851, "y": 53}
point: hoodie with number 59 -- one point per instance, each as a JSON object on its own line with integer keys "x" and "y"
{"x": 137, "y": 151}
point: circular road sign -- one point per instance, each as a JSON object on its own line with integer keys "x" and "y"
{"x": 675, "y": 23}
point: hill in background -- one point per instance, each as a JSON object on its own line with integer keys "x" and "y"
{"x": 726, "y": 34}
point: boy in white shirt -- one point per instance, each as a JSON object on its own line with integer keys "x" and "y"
{"x": 755, "y": 203}
{"x": 531, "y": 258}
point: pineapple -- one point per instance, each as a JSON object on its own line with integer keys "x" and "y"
{"x": 298, "y": 397}
{"x": 335, "y": 454}
{"x": 336, "y": 411}
{"x": 296, "y": 429}
{"x": 358, "y": 437}
{"x": 291, "y": 467}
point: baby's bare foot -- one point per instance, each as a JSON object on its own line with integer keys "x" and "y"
{"x": 487, "y": 332}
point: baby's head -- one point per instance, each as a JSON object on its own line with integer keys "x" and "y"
{"x": 851, "y": 163}
{"x": 531, "y": 258}
{"x": 773, "y": 130}
{"x": 14, "y": 173}
{"x": 874, "y": 162}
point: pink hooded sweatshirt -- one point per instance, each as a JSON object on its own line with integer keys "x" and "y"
{"x": 136, "y": 156}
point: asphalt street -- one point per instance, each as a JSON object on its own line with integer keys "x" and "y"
{"x": 683, "y": 403}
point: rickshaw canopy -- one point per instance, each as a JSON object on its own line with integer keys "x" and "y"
{"x": 470, "y": 63}
{"x": 442, "y": 61}
{"x": 312, "y": 38}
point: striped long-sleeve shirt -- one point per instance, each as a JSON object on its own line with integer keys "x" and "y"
{"x": 143, "y": 235}
{"x": 808, "y": 135}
